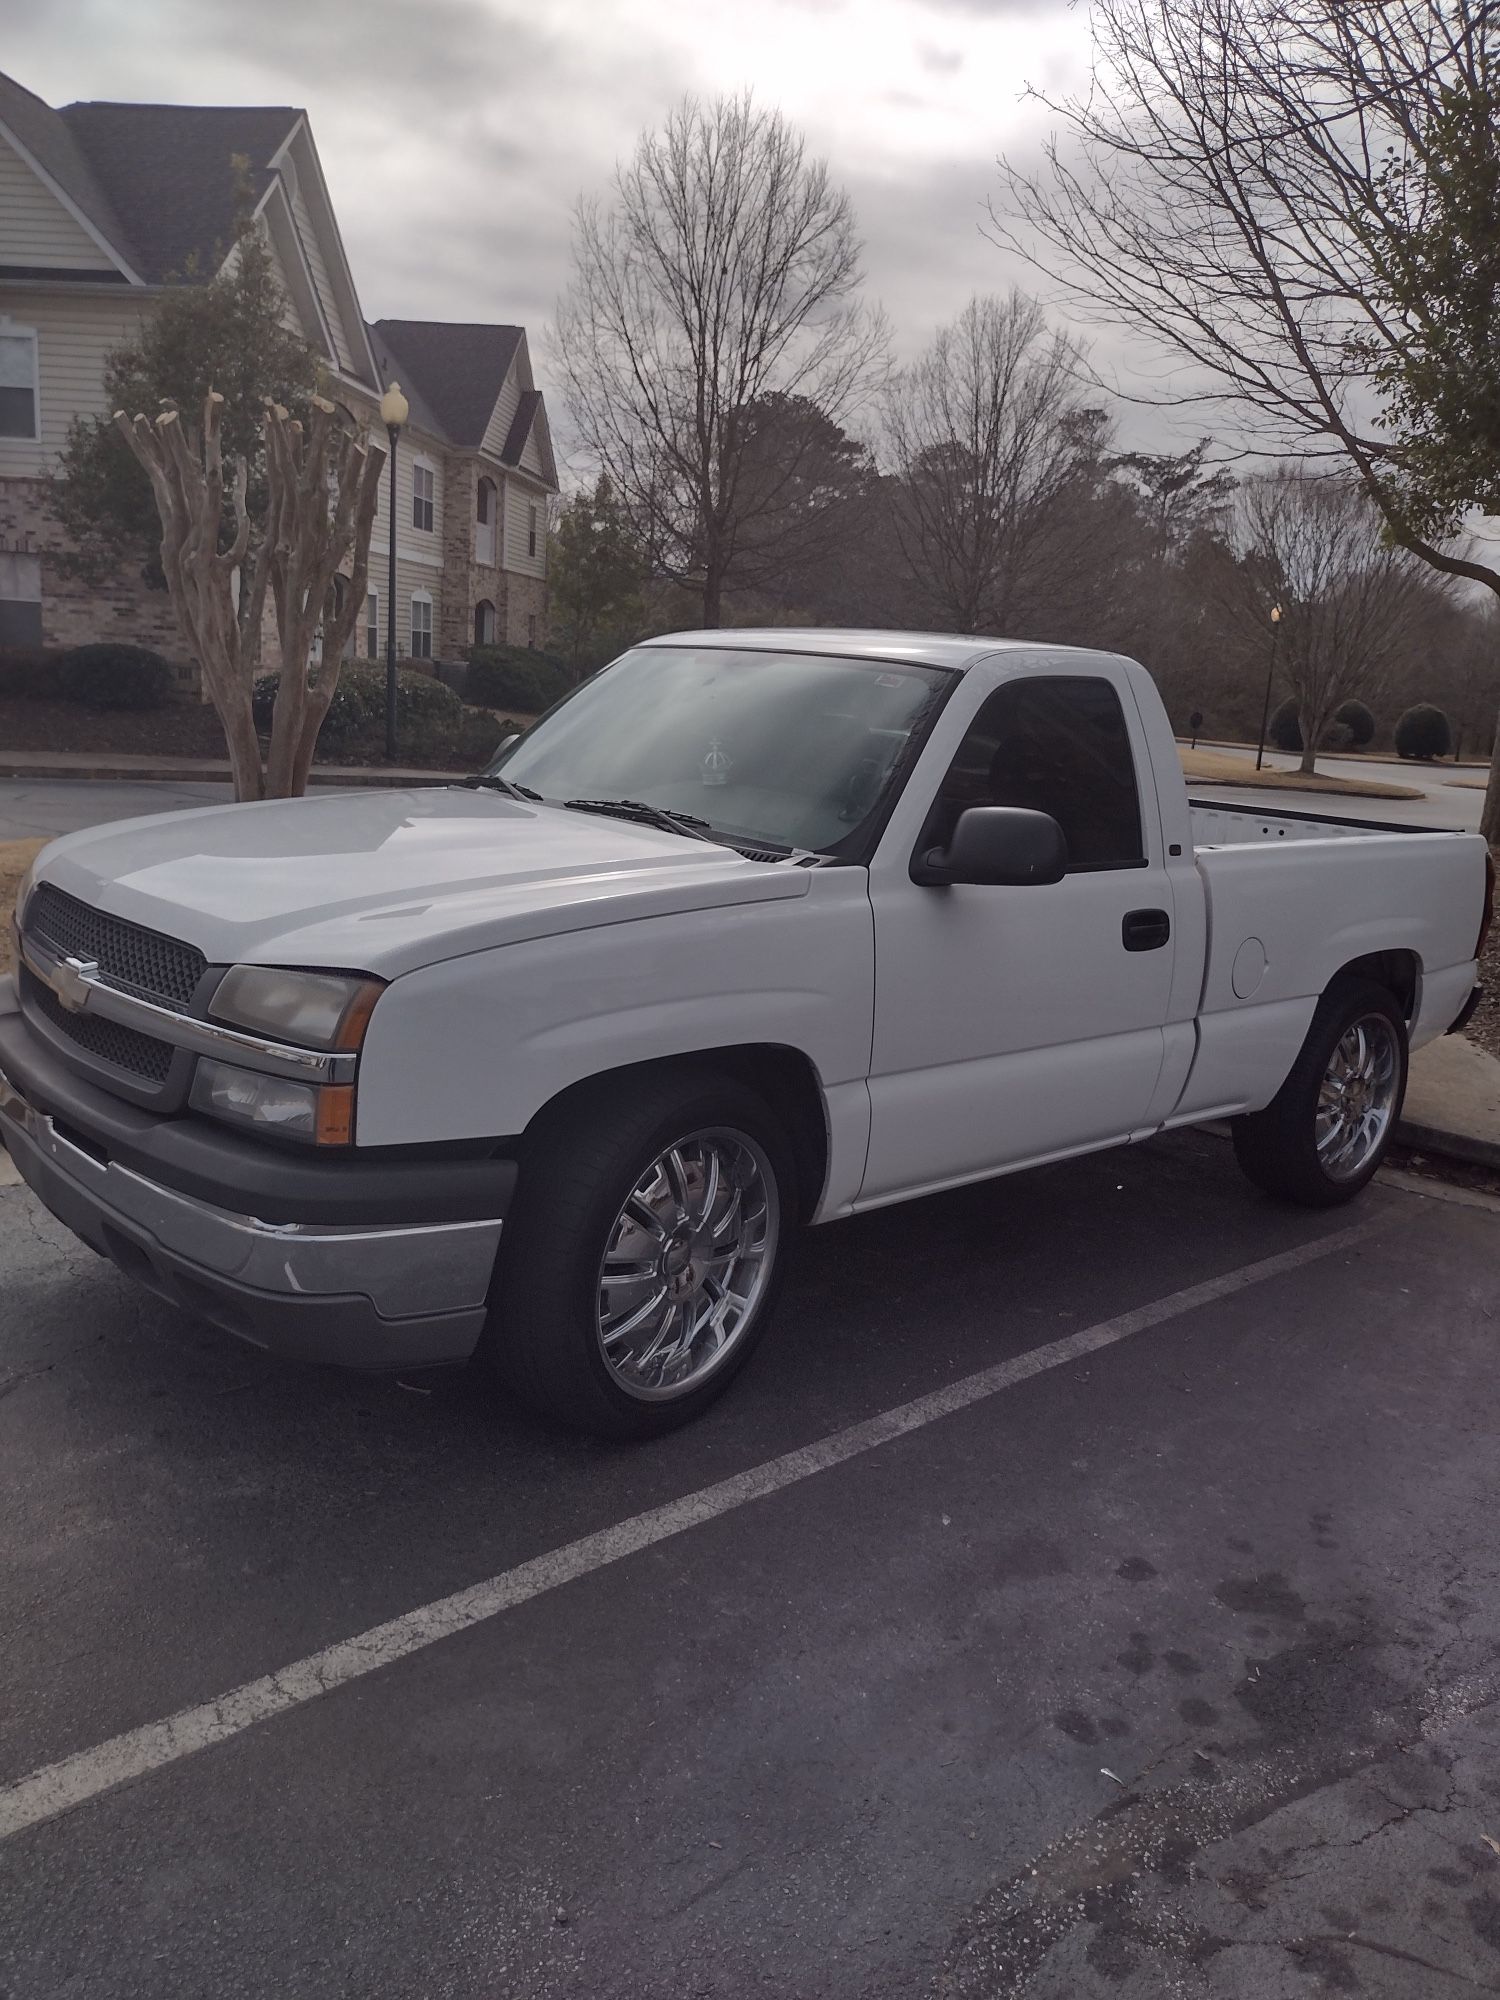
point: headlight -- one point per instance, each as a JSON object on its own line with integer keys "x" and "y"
{"x": 316, "y": 1010}
{"x": 321, "y": 1114}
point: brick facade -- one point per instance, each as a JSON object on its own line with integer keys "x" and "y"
{"x": 76, "y": 613}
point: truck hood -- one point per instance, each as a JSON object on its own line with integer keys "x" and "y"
{"x": 386, "y": 881}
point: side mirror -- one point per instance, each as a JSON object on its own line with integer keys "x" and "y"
{"x": 998, "y": 846}
{"x": 514, "y": 736}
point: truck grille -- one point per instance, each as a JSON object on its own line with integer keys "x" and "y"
{"x": 129, "y": 956}
{"x": 140, "y": 1056}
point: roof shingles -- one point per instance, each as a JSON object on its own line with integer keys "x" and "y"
{"x": 458, "y": 370}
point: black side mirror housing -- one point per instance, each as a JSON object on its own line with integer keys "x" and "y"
{"x": 996, "y": 846}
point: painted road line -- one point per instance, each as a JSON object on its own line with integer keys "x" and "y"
{"x": 58, "y": 1788}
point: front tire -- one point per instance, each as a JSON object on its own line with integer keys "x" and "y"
{"x": 1322, "y": 1137}
{"x": 640, "y": 1265}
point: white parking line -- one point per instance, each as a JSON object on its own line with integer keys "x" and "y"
{"x": 57, "y": 1788}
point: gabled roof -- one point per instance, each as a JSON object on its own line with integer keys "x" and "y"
{"x": 520, "y": 426}
{"x": 45, "y": 136}
{"x": 170, "y": 174}
{"x": 457, "y": 370}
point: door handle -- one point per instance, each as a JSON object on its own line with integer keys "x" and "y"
{"x": 1145, "y": 930}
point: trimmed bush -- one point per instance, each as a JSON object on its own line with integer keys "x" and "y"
{"x": 113, "y": 676}
{"x": 1423, "y": 733}
{"x": 432, "y": 725}
{"x": 514, "y": 677}
{"x": 1359, "y": 722}
{"x": 1285, "y": 729}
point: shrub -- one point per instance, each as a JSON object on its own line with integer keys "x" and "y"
{"x": 1423, "y": 733}
{"x": 113, "y": 676}
{"x": 432, "y": 725}
{"x": 1359, "y": 722}
{"x": 1285, "y": 729}
{"x": 28, "y": 673}
{"x": 514, "y": 677}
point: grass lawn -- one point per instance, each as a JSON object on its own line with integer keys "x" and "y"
{"x": 1205, "y": 768}
{"x": 14, "y": 857}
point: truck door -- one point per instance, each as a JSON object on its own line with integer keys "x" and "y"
{"x": 1014, "y": 1024}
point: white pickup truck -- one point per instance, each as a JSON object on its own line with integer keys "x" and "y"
{"x": 751, "y": 930}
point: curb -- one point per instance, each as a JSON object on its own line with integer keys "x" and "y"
{"x": 203, "y": 774}
{"x": 1449, "y": 1145}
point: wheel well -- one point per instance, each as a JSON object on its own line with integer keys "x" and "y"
{"x": 1398, "y": 971}
{"x": 783, "y": 1076}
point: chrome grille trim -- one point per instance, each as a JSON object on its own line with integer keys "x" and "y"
{"x": 207, "y": 1038}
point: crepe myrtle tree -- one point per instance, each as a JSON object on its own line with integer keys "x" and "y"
{"x": 309, "y": 552}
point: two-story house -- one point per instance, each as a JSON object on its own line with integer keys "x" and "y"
{"x": 104, "y": 205}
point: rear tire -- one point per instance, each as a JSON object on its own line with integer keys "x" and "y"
{"x": 1322, "y": 1137}
{"x": 640, "y": 1264}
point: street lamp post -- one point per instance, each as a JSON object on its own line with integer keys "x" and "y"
{"x": 1265, "y": 713}
{"x": 394, "y": 410}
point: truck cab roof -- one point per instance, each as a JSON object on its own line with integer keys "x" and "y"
{"x": 956, "y": 651}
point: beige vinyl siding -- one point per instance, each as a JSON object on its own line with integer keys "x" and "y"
{"x": 75, "y": 331}
{"x": 518, "y": 499}
{"x": 35, "y": 228}
{"x": 291, "y": 319}
{"x": 322, "y": 284}
{"x": 531, "y": 457}
{"x": 498, "y": 429}
{"x": 413, "y": 545}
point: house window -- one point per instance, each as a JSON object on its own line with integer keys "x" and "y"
{"x": 421, "y": 626}
{"x": 18, "y": 383}
{"x": 372, "y": 626}
{"x": 485, "y": 511}
{"x": 531, "y": 531}
{"x": 20, "y": 601}
{"x": 484, "y": 623}
{"x": 531, "y": 629}
{"x": 422, "y": 489}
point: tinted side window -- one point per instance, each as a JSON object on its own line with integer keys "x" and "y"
{"x": 1060, "y": 746}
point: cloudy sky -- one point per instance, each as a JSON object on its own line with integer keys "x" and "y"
{"x": 457, "y": 134}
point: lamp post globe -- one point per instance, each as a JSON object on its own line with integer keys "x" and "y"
{"x": 394, "y": 411}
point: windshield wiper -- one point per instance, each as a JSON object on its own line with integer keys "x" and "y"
{"x": 649, "y": 815}
{"x": 489, "y": 781}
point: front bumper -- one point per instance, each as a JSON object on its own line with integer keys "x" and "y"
{"x": 364, "y": 1295}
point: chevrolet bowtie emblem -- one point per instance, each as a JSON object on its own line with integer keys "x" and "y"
{"x": 70, "y": 980}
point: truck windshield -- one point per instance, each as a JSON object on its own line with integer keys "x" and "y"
{"x": 792, "y": 750}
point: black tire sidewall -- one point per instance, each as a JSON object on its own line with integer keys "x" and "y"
{"x": 1277, "y": 1147}
{"x": 543, "y": 1336}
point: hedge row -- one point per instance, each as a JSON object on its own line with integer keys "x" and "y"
{"x": 515, "y": 677}
{"x": 432, "y": 724}
{"x": 103, "y": 676}
{"x": 1423, "y": 732}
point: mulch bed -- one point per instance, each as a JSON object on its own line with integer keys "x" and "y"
{"x": 185, "y": 729}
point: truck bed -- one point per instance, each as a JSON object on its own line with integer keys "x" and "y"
{"x": 1221, "y": 823}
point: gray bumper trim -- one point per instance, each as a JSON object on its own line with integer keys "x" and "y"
{"x": 366, "y": 1297}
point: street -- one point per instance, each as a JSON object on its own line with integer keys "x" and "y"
{"x": 1167, "y": 1668}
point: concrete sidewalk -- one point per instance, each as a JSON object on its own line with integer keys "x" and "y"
{"x": 123, "y": 768}
{"x": 1453, "y": 1102}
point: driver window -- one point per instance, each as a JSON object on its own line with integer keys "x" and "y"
{"x": 1060, "y": 746}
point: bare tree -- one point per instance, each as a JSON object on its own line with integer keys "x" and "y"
{"x": 984, "y": 434}
{"x": 1350, "y": 600}
{"x": 720, "y": 275}
{"x": 1297, "y": 198}
{"x": 323, "y": 482}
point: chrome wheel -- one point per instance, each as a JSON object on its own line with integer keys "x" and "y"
{"x": 687, "y": 1263}
{"x": 1357, "y": 1097}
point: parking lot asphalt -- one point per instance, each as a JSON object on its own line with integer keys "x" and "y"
{"x": 1165, "y": 1663}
